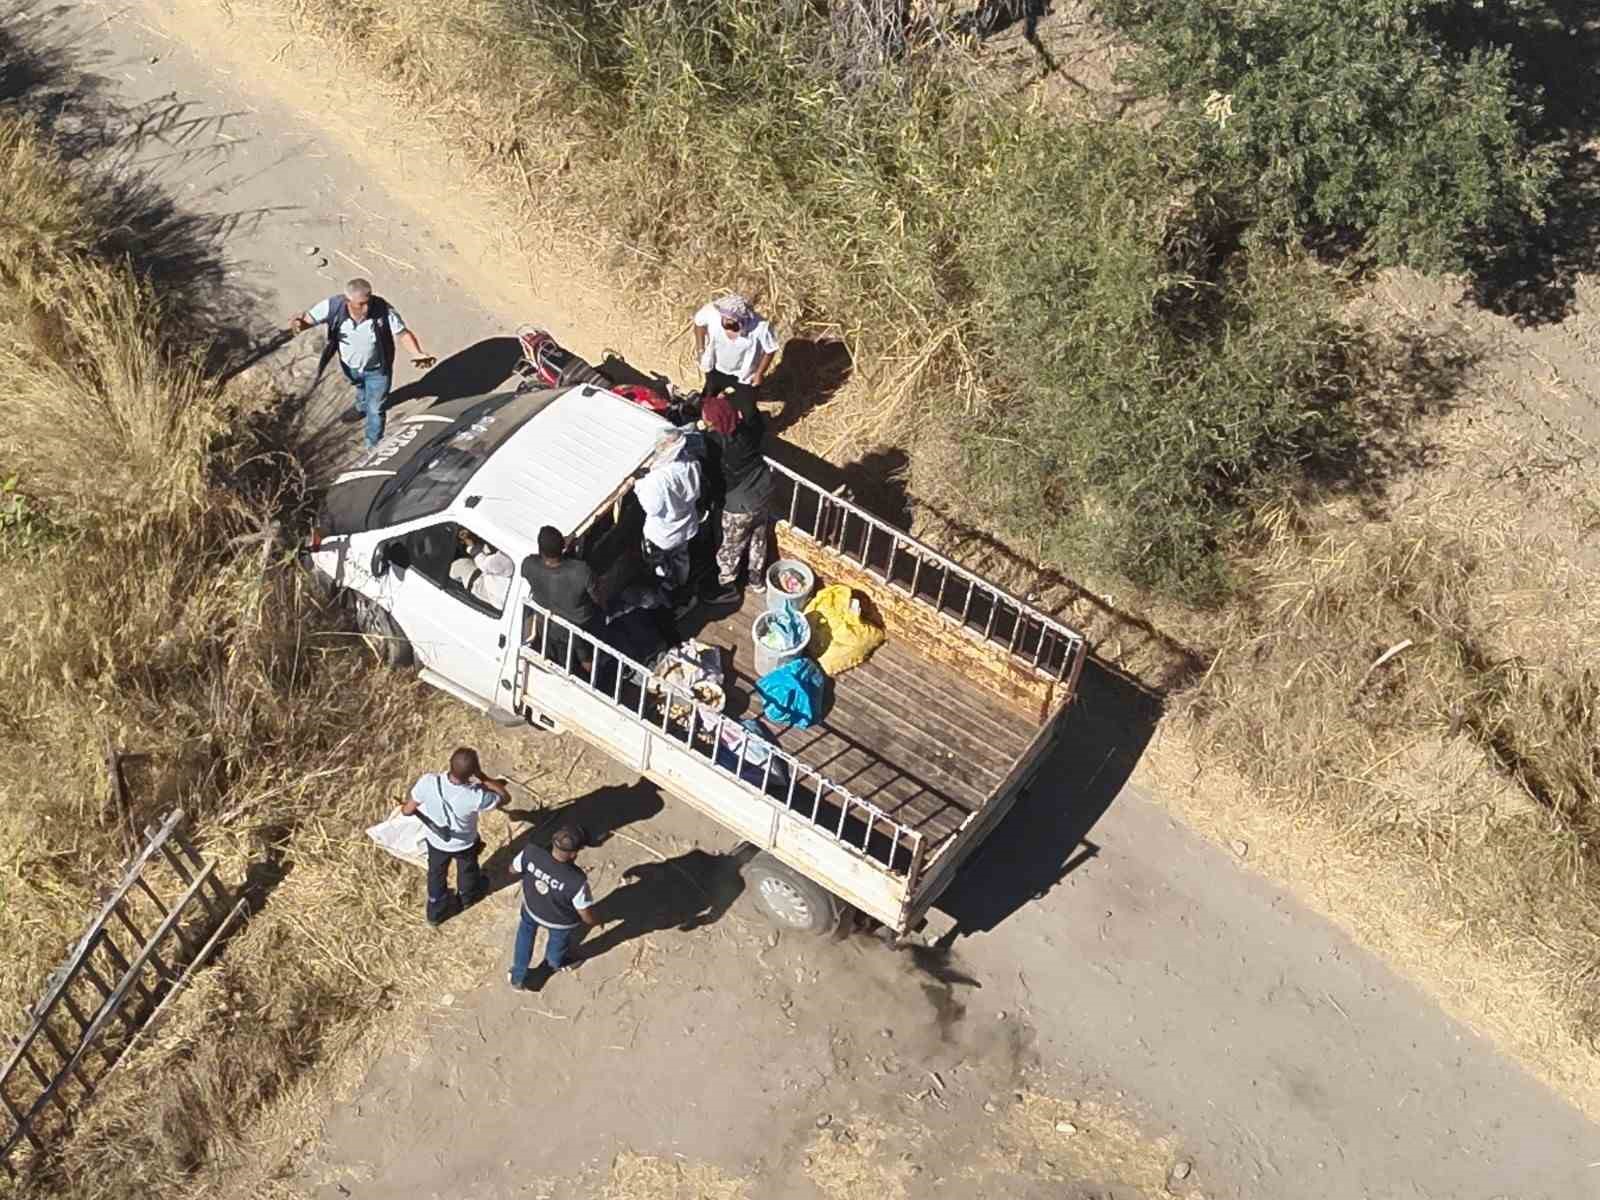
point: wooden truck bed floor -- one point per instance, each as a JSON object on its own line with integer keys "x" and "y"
{"x": 908, "y": 734}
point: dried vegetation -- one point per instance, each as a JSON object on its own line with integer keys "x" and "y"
{"x": 1424, "y": 689}
{"x": 144, "y": 606}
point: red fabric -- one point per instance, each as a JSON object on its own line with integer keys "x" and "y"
{"x": 642, "y": 396}
{"x": 719, "y": 414}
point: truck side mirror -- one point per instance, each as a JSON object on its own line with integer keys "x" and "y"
{"x": 380, "y": 559}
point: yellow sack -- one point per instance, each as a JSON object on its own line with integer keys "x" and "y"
{"x": 841, "y": 637}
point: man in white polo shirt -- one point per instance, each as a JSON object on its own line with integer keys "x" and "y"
{"x": 449, "y": 803}
{"x": 362, "y": 329}
{"x": 736, "y": 346}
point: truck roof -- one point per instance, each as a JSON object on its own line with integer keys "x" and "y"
{"x": 563, "y": 466}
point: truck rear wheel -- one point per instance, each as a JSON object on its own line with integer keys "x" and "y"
{"x": 381, "y": 634}
{"x": 789, "y": 900}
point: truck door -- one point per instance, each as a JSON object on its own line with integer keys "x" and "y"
{"x": 455, "y": 632}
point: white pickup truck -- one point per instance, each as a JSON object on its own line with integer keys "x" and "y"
{"x": 921, "y": 750}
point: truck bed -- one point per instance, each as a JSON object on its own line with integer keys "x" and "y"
{"x": 909, "y": 734}
{"x": 922, "y": 749}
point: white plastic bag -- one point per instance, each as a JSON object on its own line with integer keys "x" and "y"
{"x": 402, "y": 836}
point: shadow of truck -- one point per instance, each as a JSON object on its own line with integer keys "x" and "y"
{"x": 1046, "y": 836}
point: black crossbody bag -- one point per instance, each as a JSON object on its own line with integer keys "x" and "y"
{"x": 437, "y": 829}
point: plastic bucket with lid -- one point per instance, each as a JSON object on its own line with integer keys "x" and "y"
{"x": 789, "y": 570}
{"x": 768, "y": 658}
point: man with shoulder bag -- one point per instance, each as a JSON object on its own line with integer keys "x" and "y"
{"x": 448, "y": 804}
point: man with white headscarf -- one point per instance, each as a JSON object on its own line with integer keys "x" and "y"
{"x": 736, "y": 346}
{"x": 669, "y": 493}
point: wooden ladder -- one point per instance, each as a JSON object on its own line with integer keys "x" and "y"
{"x": 138, "y": 952}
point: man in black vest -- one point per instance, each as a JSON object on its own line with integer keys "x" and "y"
{"x": 555, "y": 897}
{"x": 361, "y": 332}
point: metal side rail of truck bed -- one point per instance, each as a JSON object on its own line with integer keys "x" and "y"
{"x": 955, "y": 618}
{"x": 986, "y": 614}
{"x": 847, "y": 844}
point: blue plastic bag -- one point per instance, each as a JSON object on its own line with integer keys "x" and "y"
{"x": 793, "y": 693}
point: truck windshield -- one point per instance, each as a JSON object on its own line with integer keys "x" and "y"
{"x": 430, "y": 481}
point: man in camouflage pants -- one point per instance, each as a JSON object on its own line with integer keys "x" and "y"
{"x": 737, "y": 428}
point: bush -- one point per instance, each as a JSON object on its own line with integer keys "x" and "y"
{"x": 1350, "y": 115}
{"x": 1152, "y": 373}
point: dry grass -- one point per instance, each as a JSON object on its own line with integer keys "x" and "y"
{"x": 850, "y": 1161}
{"x": 646, "y": 1177}
{"x": 143, "y": 605}
{"x": 1071, "y": 1141}
{"x": 532, "y": 92}
{"x": 86, "y": 362}
{"x": 1424, "y": 689}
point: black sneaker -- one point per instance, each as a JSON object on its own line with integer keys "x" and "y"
{"x": 726, "y": 594}
{"x": 452, "y": 907}
{"x": 351, "y": 415}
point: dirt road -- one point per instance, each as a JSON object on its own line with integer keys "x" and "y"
{"x": 1130, "y": 1008}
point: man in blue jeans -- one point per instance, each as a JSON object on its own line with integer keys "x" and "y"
{"x": 362, "y": 329}
{"x": 555, "y": 897}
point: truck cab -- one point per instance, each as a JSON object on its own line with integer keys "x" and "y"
{"x": 498, "y": 468}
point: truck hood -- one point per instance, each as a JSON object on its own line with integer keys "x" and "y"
{"x": 354, "y": 500}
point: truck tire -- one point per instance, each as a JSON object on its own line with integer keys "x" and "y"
{"x": 789, "y": 900}
{"x": 385, "y": 638}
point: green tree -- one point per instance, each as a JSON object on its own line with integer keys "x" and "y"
{"x": 1151, "y": 372}
{"x": 1351, "y": 116}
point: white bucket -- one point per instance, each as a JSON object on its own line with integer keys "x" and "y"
{"x": 777, "y": 598}
{"x": 768, "y": 659}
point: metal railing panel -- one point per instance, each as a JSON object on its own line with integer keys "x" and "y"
{"x": 900, "y": 840}
{"x": 1029, "y": 638}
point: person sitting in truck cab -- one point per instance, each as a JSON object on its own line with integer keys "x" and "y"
{"x": 565, "y": 587}
{"x": 482, "y": 571}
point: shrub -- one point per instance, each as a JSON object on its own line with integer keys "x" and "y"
{"x": 1350, "y": 115}
{"x": 1151, "y": 372}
